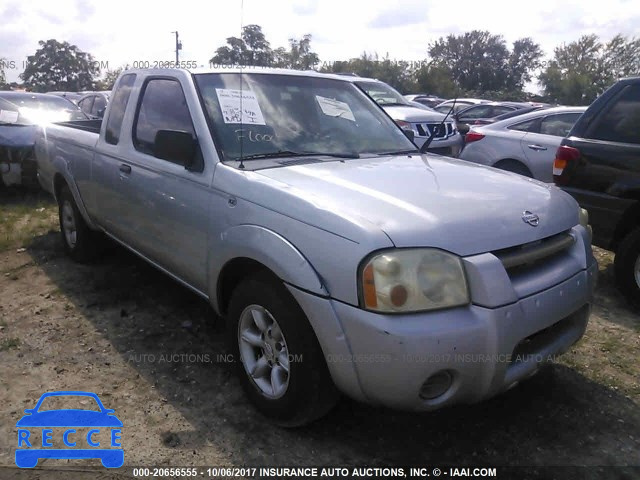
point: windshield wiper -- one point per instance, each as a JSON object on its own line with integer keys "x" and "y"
{"x": 435, "y": 131}
{"x": 290, "y": 153}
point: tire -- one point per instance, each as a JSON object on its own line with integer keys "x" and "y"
{"x": 259, "y": 308}
{"x": 515, "y": 167}
{"x": 627, "y": 267}
{"x": 79, "y": 241}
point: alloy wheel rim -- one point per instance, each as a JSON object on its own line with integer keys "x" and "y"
{"x": 263, "y": 351}
{"x": 636, "y": 271}
{"x": 69, "y": 224}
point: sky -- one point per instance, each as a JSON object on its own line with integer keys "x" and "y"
{"x": 121, "y": 32}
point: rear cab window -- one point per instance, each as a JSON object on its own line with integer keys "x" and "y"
{"x": 118, "y": 108}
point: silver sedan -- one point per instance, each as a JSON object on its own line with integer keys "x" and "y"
{"x": 525, "y": 144}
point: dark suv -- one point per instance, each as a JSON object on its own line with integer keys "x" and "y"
{"x": 599, "y": 164}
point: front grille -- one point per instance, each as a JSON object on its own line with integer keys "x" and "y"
{"x": 442, "y": 131}
{"x": 520, "y": 258}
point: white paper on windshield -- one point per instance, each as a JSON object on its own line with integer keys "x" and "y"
{"x": 239, "y": 106}
{"x": 335, "y": 108}
{"x": 8, "y": 116}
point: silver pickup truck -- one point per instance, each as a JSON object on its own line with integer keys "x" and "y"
{"x": 342, "y": 259}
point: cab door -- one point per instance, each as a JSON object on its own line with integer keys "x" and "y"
{"x": 167, "y": 202}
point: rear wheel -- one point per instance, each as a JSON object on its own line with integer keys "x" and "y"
{"x": 79, "y": 241}
{"x": 280, "y": 363}
{"x": 515, "y": 167}
{"x": 627, "y": 266}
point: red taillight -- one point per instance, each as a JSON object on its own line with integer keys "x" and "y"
{"x": 564, "y": 156}
{"x": 473, "y": 137}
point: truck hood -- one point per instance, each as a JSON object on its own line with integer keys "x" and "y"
{"x": 429, "y": 200}
{"x": 413, "y": 114}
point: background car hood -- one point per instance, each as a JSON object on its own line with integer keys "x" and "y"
{"x": 69, "y": 418}
{"x": 18, "y": 135}
{"x": 428, "y": 200}
{"x": 413, "y": 114}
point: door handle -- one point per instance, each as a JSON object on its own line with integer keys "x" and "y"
{"x": 124, "y": 168}
{"x": 537, "y": 148}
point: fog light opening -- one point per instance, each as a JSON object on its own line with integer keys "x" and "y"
{"x": 436, "y": 385}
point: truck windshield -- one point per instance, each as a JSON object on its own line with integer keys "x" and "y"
{"x": 256, "y": 115}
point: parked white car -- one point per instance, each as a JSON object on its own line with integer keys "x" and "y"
{"x": 525, "y": 144}
{"x": 421, "y": 120}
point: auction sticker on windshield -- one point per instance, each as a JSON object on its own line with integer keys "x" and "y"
{"x": 239, "y": 106}
{"x": 335, "y": 108}
{"x": 8, "y": 116}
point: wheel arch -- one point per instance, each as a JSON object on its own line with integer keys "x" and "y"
{"x": 512, "y": 161}
{"x": 630, "y": 221}
{"x": 246, "y": 249}
{"x": 60, "y": 181}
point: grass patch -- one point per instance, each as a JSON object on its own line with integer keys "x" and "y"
{"x": 25, "y": 217}
{"x": 9, "y": 344}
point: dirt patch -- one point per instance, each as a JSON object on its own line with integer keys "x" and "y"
{"x": 155, "y": 353}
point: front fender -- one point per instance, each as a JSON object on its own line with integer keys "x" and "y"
{"x": 268, "y": 248}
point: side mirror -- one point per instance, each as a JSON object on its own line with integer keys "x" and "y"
{"x": 463, "y": 128}
{"x": 100, "y": 112}
{"x": 409, "y": 134}
{"x": 176, "y": 146}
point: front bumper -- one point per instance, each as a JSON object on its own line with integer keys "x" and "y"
{"x": 386, "y": 359}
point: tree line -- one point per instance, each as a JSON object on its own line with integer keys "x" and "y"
{"x": 476, "y": 63}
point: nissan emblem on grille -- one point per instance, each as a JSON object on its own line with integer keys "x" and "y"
{"x": 530, "y": 218}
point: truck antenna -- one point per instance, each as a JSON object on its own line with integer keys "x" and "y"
{"x": 241, "y": 111}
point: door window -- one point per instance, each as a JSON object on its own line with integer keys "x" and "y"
{"x": 558, "y": 125}
{"x": 85, "y": 105}
{"x": 621, "y": 122}
{"x": 163, "y": 107}
{"x": 98, "y": 104}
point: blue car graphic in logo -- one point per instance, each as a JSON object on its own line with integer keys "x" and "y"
{"x": 36, "y": 433}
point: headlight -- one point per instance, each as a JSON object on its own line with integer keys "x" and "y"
{"x": 583, "y": 215}
{"x": 403, "y": 124}
{"x": 411, "y": 280}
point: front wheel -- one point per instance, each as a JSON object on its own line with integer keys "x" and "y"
{"x": 627, "y": 266}
{"x": 279, "y": 361}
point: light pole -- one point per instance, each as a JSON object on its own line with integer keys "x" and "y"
{"x": 178, "y": 47}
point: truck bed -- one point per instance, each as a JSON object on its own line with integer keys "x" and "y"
{"x": 92, "y": 126}
{"x": 78, "y": 140}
